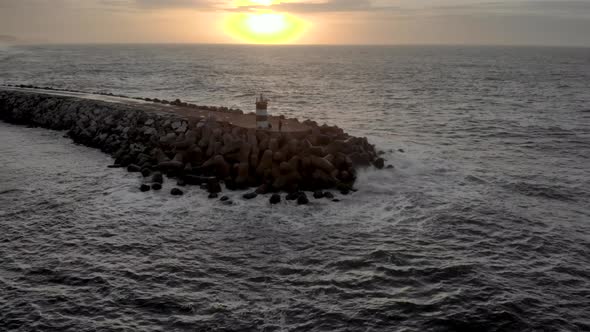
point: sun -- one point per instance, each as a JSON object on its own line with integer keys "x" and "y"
{"x": 264, "y": 26}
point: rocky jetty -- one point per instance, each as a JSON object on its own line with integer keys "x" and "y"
{"x": 210, "y": 152}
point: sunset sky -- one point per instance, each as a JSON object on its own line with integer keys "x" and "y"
{"x": 529, "y": 22}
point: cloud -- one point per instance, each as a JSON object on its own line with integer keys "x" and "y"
{"x": 319, "y": 7}
{"x": 160, "y": 4}
{"x": 421, "y": 8}
{"x": 548, "y": 8}
{"x": 409, "y": 8}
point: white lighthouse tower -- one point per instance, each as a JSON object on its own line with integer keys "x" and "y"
{"x": 262, "y": 113}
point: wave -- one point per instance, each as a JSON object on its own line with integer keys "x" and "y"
{"x": 545, "y": 191}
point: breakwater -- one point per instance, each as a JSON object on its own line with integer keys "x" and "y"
{"x": 197, "y": 146}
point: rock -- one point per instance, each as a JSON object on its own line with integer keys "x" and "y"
{"x": 273, "y": 144}
{"x": 145, "y": 172}
{"x": 302, "y": 200}
{"x": 242, "y": 178}
{"x": 213, "y": 186}
{"x": 157, "y": 177}
{"x": 345, "y": 192}
{"x": 194, "y": 180}
{"x": 318, "y": 194}
{"x": 328, "y": 195}
{"x": 144, "y": 188}
{"x": 379, "y": 163}
{"x": 262, "y": 190}
{"x": 251, "y": 195}
{"x": 224, "y": 198}
{"x": 213, "y": 195}
{"x": 171, "y": 165}
{"x": 176, "y": 192}
{"x": 133, "y": 168}
{"x": 219, "y": 166}
{"x": 322, "y": 179}
{"x": 265, "y": 163}
{"x": 401, "y": 150}
{"x": 336, "y": 200}
{"x": 275, "y": 199}
{"x": 230, "y": 184}
{"x": 389, "y": 167}
{"x": 360, "y": 159}
{"x": 323, "y": 164}
{"x": 157, "y": 186}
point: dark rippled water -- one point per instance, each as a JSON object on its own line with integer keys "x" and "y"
{"x": 484, "y": 224}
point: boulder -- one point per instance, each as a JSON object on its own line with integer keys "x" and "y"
{"x": 144, "y": 188}
{"x": 251, "y": 195}
{"x": 242, "y": 178}
{"x": 302, "y": 199}
{"x": 323, "y": 164}
{"x": 262, "y": 190}
{"x": 322, "y": 179}
{"x": 360, "y": 159}
{"x": 286, "y": 168}
{"x": 318, "y": 194}
{"x": 230, "y": 184}
{"x": 194, "y": 180}
{"x": 145, "y": 172}
{"x": 224, "y": 198}
{"x": 157, "y": 186}
{"x": 176, "y": 192}
{"x": 273, "y": 144}
{"x": 194, "y": 155}
{"x": 159, "y": 155}
{"x": 275, "y": 199}
{"x": 213, "y": 195}
{"x": 379, "y": 163}
{"x": 265, "y": 163}
{"x": 157, "y": 177}
{"x": 173, "y": 165}
{"x": 213, "y": 186}
{"x": 133, "y": 168}
{"x": 328, "y": 195}
{"x": 218, "y": 165}
{"x": 245, "y": 150}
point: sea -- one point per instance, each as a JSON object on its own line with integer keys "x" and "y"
{"x": 483, "y": 224}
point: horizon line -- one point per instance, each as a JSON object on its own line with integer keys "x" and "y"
{"x": 292, "y": 45}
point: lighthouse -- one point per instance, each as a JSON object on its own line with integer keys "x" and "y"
{"x": 262, "y": 113}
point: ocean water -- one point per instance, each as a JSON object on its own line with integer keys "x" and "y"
{"x": 483, "y": 225}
